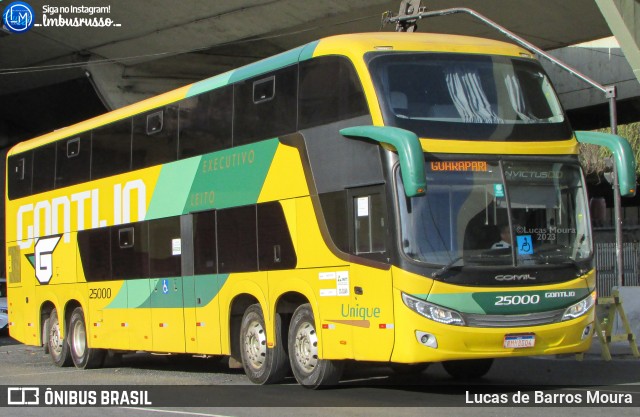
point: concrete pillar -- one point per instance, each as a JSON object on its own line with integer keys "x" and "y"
{"x": 623, "y": 18}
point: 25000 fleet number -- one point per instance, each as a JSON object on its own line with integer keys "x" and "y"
{"x": 99, "y": 293}
{"x": 514, "y": 300}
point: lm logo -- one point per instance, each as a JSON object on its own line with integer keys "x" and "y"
{"x": 18, "y": 17}
{"x": 42, "y": 258}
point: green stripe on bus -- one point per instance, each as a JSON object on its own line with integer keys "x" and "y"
{"x": 170, "y": 192}
{"x": 229, "y": 178}
{"x": 209, "y": 84}
{"x": 193, "y": 292}
{"x": 273, "y": 63}
{"x": 507, "y": 302}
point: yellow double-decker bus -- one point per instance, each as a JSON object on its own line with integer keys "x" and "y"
{"x": 400, "y": 198}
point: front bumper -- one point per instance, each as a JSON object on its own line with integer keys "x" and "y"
{"x": 464, "y": 342}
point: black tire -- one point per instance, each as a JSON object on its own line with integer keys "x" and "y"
{"x": 112, "y": 359}
{"x": 263, "y": 365}
{"x": 468, "y": 369}
{"x": 409, "y": 368}
{"x": 82, "y": 355}
{"x": 45, "y": 334}
{"x": 309, "y": 370}
{"x": 58, "y": 347}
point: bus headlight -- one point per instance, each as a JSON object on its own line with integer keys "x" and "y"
{"x": 580, "y": 308}
{"x": 432, "y": 311}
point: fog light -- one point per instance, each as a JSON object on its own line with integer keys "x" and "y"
{"x": 427, "y": 339}
{"x": 586, "y": 332}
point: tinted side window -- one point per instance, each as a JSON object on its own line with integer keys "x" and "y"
{"x": 275, "y": 247}
{"x": 204, "y": 242}
{"x": 205, "y": 122}
{"x": 19, "y": 175}
{"x": 334, "y": 208}
{"x": 155, "y": 137}
{"x": 260, "y": 114}
{"x": 165, "y": 247}
{"x": 95, "y": 253}
{"x": 369, "y": 220}
{"x": 237, "y": 240}
{"x": 111, "y": 147}
{"x": 44, "y": 162}
{"x": 130, "y": 251}
{"x": 73, "y": 160}
{"x": 329, "y": 91}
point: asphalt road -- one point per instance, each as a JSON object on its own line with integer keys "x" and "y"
{"x": 582, "y": 388}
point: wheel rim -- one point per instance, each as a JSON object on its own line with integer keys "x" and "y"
{"x": 255, "y": 345}
{"x": 55, "y": 344}
{"x": 306, "y": 347}
{"x": 79, "y": 340}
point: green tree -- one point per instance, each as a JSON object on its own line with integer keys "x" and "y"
{"x": 592, "y": 157}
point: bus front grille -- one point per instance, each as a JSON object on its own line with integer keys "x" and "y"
{"x": 514, "y": 320}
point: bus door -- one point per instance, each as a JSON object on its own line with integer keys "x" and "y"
{"x": 370, "y": 304}
{"x": 22, "y": 291}
{"x": 201, "y": 282}
{"x": 166, "y": 285}
{"x": 126, "y": 317}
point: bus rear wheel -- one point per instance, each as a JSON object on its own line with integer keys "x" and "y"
{"x": 261, "y": 364}
{"x": 58, "y": 347}
{"x": 468, "y": 369}
{"x": 309, "y": 370}
{"x": 45, "y": 333}
{"x": 82, "y": 355}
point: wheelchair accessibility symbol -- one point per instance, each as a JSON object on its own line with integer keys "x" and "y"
{"x": 525, "y": 245}
{"x": 165, "y": 286}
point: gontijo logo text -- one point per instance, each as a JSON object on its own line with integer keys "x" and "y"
{"x": 54, "y": 217}
{"x": 18, "y": 17}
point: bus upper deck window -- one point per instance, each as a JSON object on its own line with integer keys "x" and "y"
{"x": 154, "y": 122}
{"x": 19, "y": 169}
{"x": 73, "y": 147}
{"x": 264, "y": 90}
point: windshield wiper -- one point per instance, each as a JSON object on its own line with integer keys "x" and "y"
{"x": 446, "y": 268}
{"x": 569, "y": 261}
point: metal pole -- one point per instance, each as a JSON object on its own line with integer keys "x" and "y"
{"x": 617, "y": 203}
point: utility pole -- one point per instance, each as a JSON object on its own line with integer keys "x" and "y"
{"x": 408, "y": 8}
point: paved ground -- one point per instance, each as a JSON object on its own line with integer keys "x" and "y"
{"x": 366, "y": 390}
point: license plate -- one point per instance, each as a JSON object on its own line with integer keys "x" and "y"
{"x": 519, "y": 341}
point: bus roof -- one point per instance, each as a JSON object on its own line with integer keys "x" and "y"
{"x": 351, "y": 45}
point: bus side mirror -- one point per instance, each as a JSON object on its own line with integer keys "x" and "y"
{"x": 409, "y": 150}
{"x": 623, "y": 158}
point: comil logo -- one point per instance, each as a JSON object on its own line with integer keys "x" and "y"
{"x": 18, "y": 17}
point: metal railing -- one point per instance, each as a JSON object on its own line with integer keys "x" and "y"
{"x": 606, "y": 266}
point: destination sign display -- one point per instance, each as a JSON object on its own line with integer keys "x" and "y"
{"x": 462, "y": 166}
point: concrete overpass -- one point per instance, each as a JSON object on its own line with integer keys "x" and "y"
{"x": 54, "y": 76}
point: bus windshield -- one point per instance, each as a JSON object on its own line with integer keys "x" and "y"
{"x": 468, "y": 97}
{"x": 497, "y": 213}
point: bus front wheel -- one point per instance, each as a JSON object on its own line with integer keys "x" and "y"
{"x": 82, "y": 355}
{"x": 58, "y": 347}
{"x": 309, "y": 370}
{"x": 468, "y": 369}
{"x": 261, "y": 364}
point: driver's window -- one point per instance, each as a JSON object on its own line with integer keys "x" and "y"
{"x": 368, "y": 221}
